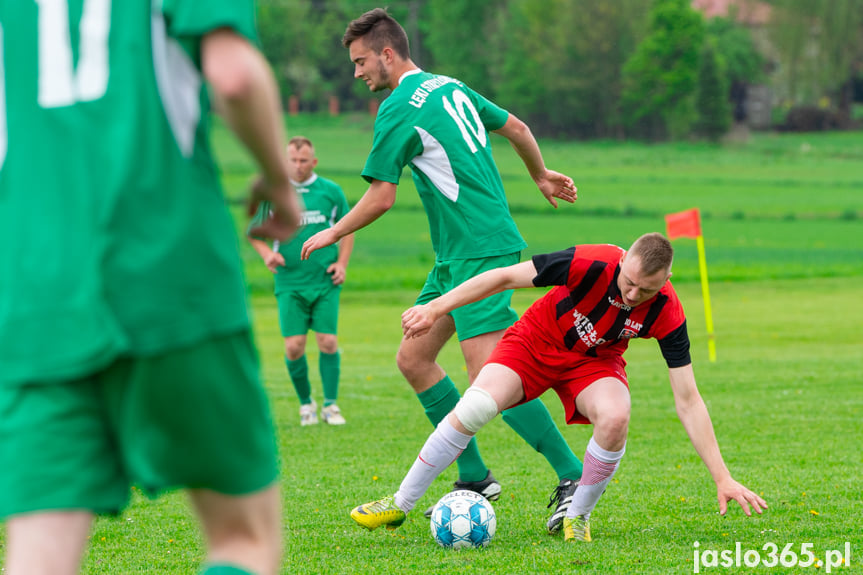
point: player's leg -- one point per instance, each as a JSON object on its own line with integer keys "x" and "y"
{"x": 242, "y": 532}
{"x": 324, "y": 322}
{"x": 480, "y": 326}
{"x": 328, "y": 343}
{"x": 606, "y": 403}
{"x": 476, "y": 351}
{"x": 417, "y": 357}
{"x": 294, "y": 322}
{"x": 329, "y": 363}
{"x": 226, "y": 451}
{"x": 298, "y": 368}
{"x": 496, "y": 386}
{"x": 417, "y": 360}
{"x": 58, "y": 467}
{"x": 48, "y": 543}
{"x": 298, "y": 371}
{"x": 531, "y": 420}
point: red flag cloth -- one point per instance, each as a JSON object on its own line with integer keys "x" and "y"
{"x": 683, "y": 224}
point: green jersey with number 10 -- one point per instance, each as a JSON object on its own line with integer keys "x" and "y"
{"x": 115, "y": 235}
{"x": 439, "y": 127}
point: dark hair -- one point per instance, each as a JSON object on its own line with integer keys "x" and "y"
{"x": 379, "y": 30}
{"x": 655, "y": 252}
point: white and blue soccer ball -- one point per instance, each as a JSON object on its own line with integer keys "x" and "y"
{"x": 463, "y": 519}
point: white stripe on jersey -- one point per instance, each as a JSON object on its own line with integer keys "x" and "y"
{"x": 435, "y": 164}
{"x": 3, "y": 133}
{"x": 179, "y": 84}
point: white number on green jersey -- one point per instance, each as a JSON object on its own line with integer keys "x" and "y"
{"x": 60, "y": 83}
{"x": 471, "y": 128}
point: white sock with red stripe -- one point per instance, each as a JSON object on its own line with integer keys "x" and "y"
{"x": 441, "y": 448}
{"x": 599, "y": 467}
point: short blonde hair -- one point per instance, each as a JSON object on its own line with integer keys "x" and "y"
{"x": 300, "y": 142}
{"x": 655, "y": 252}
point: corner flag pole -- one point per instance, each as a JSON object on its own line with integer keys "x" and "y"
{"x": 705, "y": 292}
{"x": 687, "y": 224}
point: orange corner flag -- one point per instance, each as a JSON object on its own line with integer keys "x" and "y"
{"x": 683, "y": 224}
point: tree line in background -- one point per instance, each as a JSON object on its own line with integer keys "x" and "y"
{"x": 647, "y": 69}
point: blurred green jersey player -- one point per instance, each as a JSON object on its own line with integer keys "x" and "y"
{"x": 122, "y": 302}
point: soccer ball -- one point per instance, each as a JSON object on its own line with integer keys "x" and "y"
{"x": 461, "y": 519}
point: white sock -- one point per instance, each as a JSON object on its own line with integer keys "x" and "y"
{"x": 441, "y": 449}
{"x": 599, "y": 468}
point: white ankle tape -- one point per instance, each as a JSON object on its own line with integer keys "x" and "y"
{"x": 475, "y": 409}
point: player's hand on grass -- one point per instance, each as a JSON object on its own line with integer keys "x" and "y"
{"x": 338, "y": 272}
{"x": 556, "y": 185}
{"x": 320, "y": 240}
{"x": 732, "y": 490}
{"x": 417, "y": 321}
{"x": 285, "y": 209}
{"x": 273, "y": 261}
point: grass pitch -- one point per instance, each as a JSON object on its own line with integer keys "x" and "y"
{"x": 785, "y": 398}
{"x": 784, "y": 242}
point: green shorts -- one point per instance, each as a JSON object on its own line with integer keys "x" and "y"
{"x": 304, "y": 309}
{"x": 490, "y": 314}
{"x": 196, "y": 417}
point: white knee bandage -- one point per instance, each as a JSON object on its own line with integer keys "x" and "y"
{"x": 475, "y": 409}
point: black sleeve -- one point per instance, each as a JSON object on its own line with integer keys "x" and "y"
{"x": 675, "y": 347}
{"x": 552, "y": 269}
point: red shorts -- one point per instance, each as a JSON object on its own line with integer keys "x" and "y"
{"x": 542, "y": 366}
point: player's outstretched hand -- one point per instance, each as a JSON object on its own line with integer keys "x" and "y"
{"x": 320, "y": 240}
{"x": 556, "y": 185}
{"x": 731, "y": 489}
{"x": 285, "y": 207}
{"x": 417, "y": 321}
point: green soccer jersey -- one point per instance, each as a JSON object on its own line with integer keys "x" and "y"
{"x": 324, "y": 204}
{"x": 116, "y": 238}
{"x": 439, "y": 127}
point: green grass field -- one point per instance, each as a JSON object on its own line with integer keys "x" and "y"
{"x": 783, "y": 226}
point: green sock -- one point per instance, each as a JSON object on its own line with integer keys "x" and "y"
{"x": 298, "y": 369}
{"x": 438, "y": 401}
{"x": 224, "y": 569}
{"x": 330, "y": 365}
{"x": 533, "y": 423}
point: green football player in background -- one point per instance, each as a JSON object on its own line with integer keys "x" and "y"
{"x": 125, "y": 345}
{"x": 308, "y": 291}
{"x": 440, "y": 128}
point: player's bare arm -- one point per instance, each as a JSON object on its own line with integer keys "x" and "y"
{"x": 695, "y": 418}
{"x": 552, "y": 184}
{"x": 272, "y": 259}
{"x": 245, "y": 93}
{"x": 339, "y": 268}
{"x": 377, "y": 200}
{"x": 419, "y": 319}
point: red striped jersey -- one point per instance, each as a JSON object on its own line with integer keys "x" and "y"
{"x": 585, "y": 312}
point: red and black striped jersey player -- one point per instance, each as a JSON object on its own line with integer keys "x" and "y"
{"x": 572, "y": 341}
